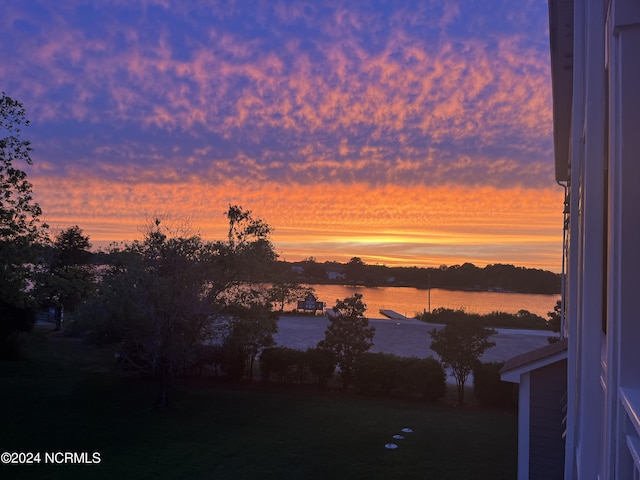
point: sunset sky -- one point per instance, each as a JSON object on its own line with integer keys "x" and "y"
{"x": 403, "y": 132}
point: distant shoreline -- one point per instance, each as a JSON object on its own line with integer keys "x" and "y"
{"x": 422, "y": 287}
{"x": 465, "y": 277}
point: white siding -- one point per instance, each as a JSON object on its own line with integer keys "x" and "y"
{"x": 603, "y": 425}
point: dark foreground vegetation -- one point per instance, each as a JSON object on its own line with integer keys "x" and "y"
{"x": 374, "y": 374}
{"x": 67, "y": 396}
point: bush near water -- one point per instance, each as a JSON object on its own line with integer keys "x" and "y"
{"x": 522, "y": 319}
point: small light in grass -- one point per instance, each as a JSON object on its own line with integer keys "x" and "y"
{"x": 390, "y": 446}
{"x": 407, "y": 430}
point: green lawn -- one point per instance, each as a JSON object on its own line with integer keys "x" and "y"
{"x": 66, "y": 397}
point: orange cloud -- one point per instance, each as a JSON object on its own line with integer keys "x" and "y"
{"x": 415, "y": 225}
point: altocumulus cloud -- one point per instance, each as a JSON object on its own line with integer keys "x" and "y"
{"x": 303, "y": 92}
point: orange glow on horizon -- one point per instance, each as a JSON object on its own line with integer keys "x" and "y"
{"x": 392, "y": 225}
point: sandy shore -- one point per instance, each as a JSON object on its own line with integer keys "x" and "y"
{"x": 409, "y": 337}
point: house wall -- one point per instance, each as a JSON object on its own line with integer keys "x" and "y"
{"x": 604, "y": 255}
{"x": 586, "y": 239}
{"x": 547, "y": 399}
{"x": 622, "y": 358}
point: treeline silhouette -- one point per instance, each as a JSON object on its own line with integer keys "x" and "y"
{"x": 496, "y": 277}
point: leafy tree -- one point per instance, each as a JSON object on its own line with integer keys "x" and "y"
{"x": 355, "y": 270}
{"x": 247, "y": 257}
{"x": 169, "y": 293}
{"x": 67, "y": 277}
{"x": 19, "y": 214}
{"x": 20, "y": 226}
{"x": 313, "y": 270}
{"x": 555, "y": 317}
{"x": 73, "y": 247}
{"x": 151, "y": 305}
{"x": 348, "y": 335}
{"x": 238, "y": 270}
{"x": 249, "y": 326}
{"x": 460, "y": 345}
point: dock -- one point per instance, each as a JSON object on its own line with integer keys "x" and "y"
{"x": 393, "y": 315}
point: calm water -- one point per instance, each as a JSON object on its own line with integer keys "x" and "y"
{"x": 408, "y": 301}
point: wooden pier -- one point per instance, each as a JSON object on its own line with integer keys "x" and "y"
{"x": 393, "y": 315}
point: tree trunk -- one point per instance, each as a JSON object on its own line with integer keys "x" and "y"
{"x": 252, "y": 359}
{"x": 460, "y": 386}
{"x": 163, "y": 387}
{"x": 346, "y": 379}
{"x": 58, "y": 317}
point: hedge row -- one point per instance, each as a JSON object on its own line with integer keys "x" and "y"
{"x": 379, "y": 374}
{"x": 288, "y": 365}
{"x": 384, "y": 374}
{"x": 375, "y": 373}
{"x": 490, "y": 390}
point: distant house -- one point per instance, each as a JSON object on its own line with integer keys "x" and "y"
{"x": 310, "y": 304}
{"x": 297, "y": 269}
{"x": 334, "y": 275}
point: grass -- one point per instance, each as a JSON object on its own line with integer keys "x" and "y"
{"x": 66, "y": 397}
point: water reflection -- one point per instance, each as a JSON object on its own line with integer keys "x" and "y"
{"x": 408, "y": 301}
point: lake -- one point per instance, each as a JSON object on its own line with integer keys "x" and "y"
{"x": 408, "y": 301}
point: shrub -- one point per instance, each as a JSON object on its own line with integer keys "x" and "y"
{"x": 489, "y": 390}
{"x": 321, "y": 363}
{"x": 387, "y": 374}
{"x": 521, "y": 319}
{"x": 283, "y": 362}
{"x": 425, "y": 377}
{"x": 205, "y": 356}
{"x": 234, "y": 359}
{"x": 378, "y": 373}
